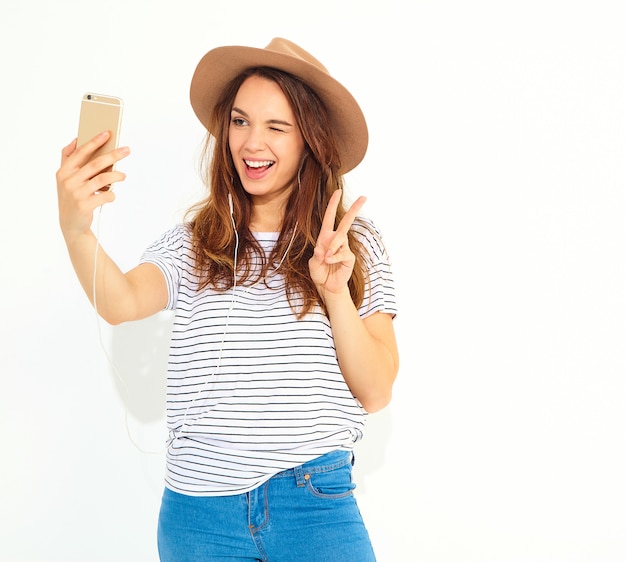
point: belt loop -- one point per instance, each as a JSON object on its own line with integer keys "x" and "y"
{"x": 298, "y": 472}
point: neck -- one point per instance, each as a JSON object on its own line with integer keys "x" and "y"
{"x": 265, "y": 221}
{"x": 268, "y": 212}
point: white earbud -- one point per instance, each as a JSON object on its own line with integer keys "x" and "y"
{"x": 230, "y": 203}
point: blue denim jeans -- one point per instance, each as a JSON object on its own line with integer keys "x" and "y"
{"x": 304, "y": 514}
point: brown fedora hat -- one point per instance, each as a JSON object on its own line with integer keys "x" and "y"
{"x": 221, "y": 65}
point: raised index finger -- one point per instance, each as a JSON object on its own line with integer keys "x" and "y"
{"x": 328, "y": 223}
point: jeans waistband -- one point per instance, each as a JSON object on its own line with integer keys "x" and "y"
{"x": 325, "y": 463}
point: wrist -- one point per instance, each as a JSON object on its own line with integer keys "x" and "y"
{"x": 330, "y": 297}
{"x": 76, "y": 238}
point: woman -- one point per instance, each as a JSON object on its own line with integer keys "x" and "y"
{"x": 282, "y": 339}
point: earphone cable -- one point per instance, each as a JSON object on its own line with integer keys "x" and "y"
{"x": 119, "y": 377}
{"x": 226, "y": 324}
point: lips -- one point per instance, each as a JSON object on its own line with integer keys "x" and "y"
{"x": 257, "y": 168}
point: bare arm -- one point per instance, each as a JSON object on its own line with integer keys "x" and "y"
{"x": 366, "y": 348}
{"x": 367, "y": 351}
{"x": 81, "y": 188}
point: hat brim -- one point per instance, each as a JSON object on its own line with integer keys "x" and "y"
{"x": 223, "y": 64}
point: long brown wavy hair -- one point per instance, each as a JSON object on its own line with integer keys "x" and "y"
{"x": 213, "y": 236}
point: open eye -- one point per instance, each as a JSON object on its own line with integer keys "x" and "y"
{"x": 239, "y": 121}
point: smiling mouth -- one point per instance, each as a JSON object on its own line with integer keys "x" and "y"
{"x": 259, "y": 164}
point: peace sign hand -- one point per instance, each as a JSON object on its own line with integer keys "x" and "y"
{"x": 332, "y": 262}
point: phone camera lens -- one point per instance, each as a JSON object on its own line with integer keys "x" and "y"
{"x": 89, "y": 96}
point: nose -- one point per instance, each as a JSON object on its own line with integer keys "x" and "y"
{"x": 255, "y": 140}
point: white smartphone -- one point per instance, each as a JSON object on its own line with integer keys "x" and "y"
{"x": 100, "y": 113}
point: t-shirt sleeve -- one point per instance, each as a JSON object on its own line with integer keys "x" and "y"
{"x": 380, "y": 291}
{"x": 168, "y": 253}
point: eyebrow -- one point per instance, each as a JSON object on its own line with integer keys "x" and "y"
{"x": 270, "y": 121}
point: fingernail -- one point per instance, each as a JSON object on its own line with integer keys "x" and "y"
{"x": 124, "y": 150}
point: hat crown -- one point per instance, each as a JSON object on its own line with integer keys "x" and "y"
{"x": 286, "y": 47}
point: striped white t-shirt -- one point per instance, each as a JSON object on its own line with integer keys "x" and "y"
{"x": 251, "y": 389}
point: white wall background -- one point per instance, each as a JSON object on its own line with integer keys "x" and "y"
{"x": 497, "y": 173}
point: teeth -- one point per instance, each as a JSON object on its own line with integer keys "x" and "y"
{"x": 258, "y": 164}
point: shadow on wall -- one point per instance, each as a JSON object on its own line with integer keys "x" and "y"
{"x": 370, "y": 452}
{"x": 139, "y": 351}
